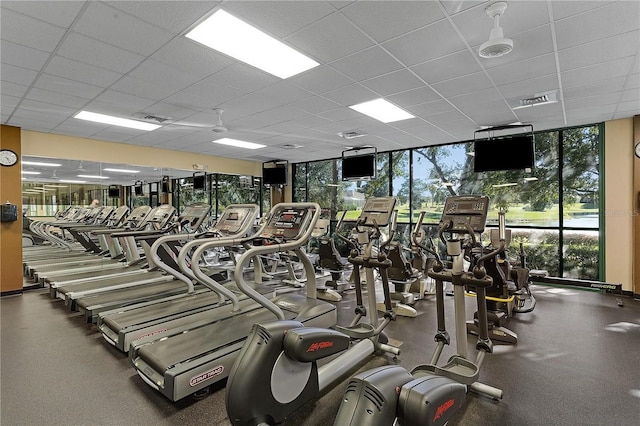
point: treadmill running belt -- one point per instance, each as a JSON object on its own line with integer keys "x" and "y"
{"x": 163, "y": 355}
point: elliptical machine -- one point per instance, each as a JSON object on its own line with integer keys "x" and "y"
{"x": 277, "y": 372}
{"x": 430, "y": 393}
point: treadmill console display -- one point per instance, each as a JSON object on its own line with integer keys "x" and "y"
{"x": 377, "y": 210}
{"x": 161, "y": 215}
{"x": 195, "y": 215}
{"x": 286, "y": 224}
{"x": 463, "y": 209}
{"x": 232, "y": 220}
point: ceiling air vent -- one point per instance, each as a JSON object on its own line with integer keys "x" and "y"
{"x": 289, "y": 146}
{"x": 538, "y": 99}
{"x": 352, "y": 134}
{"x": 151, "y": 117}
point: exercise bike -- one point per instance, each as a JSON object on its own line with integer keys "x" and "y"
{"x": 431, "y": 393}
{"x": 277, "y": 372}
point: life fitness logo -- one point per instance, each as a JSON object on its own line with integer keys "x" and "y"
{"x": 443, "y": 408}
{"x": 215, "y": 371}
{"x": 319, "y": 345}
{"x": 152, "y": 333}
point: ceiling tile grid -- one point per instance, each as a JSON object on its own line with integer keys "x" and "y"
{"x": 131, "y": 59}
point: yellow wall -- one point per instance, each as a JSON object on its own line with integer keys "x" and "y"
{"x": 75, "y": 148}
{"x": 619, "y": 202}
{"x": 11, "y": 232}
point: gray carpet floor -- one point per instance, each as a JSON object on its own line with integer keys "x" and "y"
{"x": 577, "y": 362}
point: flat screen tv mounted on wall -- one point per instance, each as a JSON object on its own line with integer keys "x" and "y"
{"x": 274, "y": 175}
{"x": 358, "y": 167}
{"x": 504, "y": 153}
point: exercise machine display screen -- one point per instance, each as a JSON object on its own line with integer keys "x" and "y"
{"x": 377, "y": 210}
{"x": 232, "y": 220}
{"x": 466, "y": 209}
{"x": 286, "y": 224}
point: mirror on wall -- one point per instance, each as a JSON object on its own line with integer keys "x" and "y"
{"x": 51, "y": 184}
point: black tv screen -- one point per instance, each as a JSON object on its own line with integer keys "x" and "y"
{"x": 359, "y": 167}
{"x": 114, "y": 192}
{"x": 508, "y": 153}
{"x": 138, "y": 190}
{"x": 274, "y": 175}
{"x": 199, "y": 183}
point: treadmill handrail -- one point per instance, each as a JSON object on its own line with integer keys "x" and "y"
{"x": 238, "y": 239}
{"x": 286, "y": 246}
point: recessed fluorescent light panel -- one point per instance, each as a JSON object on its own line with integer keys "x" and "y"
{"x": 121, "y": 170}
{"x": 73, "y": 181}
{"x": 227, "y": 34}
{"x": 38, "y": 163}
{"x": 239, "y": 144}
{"x": 30, "y": 173}
{"x": 115, "y": 121}
{"x": 382, "y": 110}
{"x": 93, "y": 177}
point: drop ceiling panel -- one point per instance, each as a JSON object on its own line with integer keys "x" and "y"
{"x": 593, "y": 73}
{"x": 456, "y": 6}
{"x": 97, "y": 53}
{"x": 244, "y": 77}
{"x": 383, "y": 20}
{"x": 523, "y": 70}
{"x": 351, "y": 95}
{"x": 341, "y": 114}
{"x": 394, "y": 82}
{"x": 29, "y": 32}
{"x": 120, "y": 29}
{"x": 315, "y": 104}
{"x": 66, "y": 86}
{"x": 597, "y": 88}
{"x": 461, "y": 85}
{"x": 78, "y": 71}
{"x": 615, "y": 18}
{"x": 528, "y": 88}
{"x": 175, "y": 16}
{"x": 604, "y": 99}
{"x": 414, "y": 97}
{"x": 321, "y": 79}
{"x": 602, "y": 50}
{"x": 208, "y": 94}
{"x": 60, "y": 13}
{"x": 17, "y": 75}
{"x": 431, "y": 108}
{"x": 56, "y": 98}
{"x": 476, "y": 98}
{"x": 9, "y": 103}
{"x": 367, "y": 64}
{"x": 633, "y": 81}
{"x": 283, "y": 93}
{"x": 490, "y": 113}
{"x": 13, "y": 89}
{"x": 448, "y": 67}
{"x": 330, "y": 38}
{"x": 151, "y": 89}
{"x": 22, "y": 56}
{"x": 410, "y": 48}
{"x": 563, "y": 9}
{"x": 191, "y": 57}
{"x": 130, "y": 102}
{"x": 280, "y": 18}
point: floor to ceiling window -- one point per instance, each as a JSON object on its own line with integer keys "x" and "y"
{"x": 552, "y": 209}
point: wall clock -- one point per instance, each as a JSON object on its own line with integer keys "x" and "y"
{"x": 8, "y": 157}
{"x": 638, "y": 150}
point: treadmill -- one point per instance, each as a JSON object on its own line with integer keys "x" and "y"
{"x": 190, "y": 361}
{"x": 155, "y": 220}
{"x": 85, "y": 262}
{"x": 123, "y": 254}
{"x": 162, "y": 251}
{"x": 157, "y": 318}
